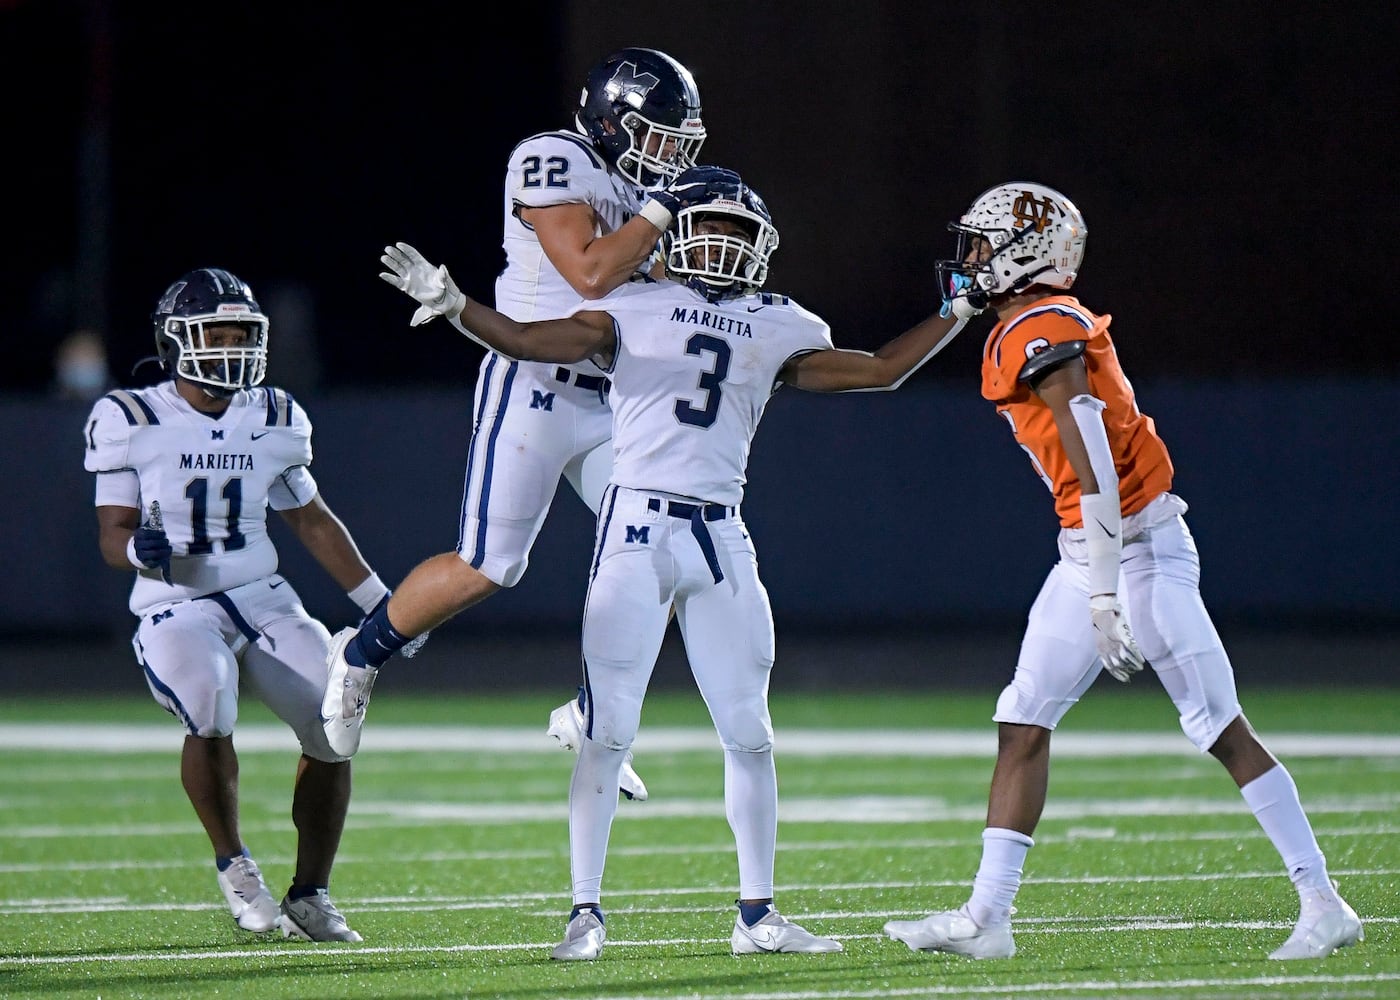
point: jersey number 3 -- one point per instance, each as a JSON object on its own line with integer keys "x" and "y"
{"x": 710, "y": 381}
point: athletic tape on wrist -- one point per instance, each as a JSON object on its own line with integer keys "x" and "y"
{"x": 368, "y": 593}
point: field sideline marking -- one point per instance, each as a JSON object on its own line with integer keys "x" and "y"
{"x": 115, "y": 738}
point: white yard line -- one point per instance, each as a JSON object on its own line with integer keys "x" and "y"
{"x": 113, "y": 738}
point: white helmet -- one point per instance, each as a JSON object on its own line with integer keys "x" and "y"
{"x": 1036, "y": 237}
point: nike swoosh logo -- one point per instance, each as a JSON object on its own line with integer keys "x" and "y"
{"x": 1110, "y": 534}
{"x": 262, "y": 435}
{"x": 274, "y": 586}
{"x": 754, "y": 309}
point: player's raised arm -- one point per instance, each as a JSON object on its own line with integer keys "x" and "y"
{"x": 562, "y": 341}
{"x": 841, "y": 370}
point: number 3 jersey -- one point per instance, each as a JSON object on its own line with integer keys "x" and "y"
{"x": 691, "y": 379}
{"x": 214, "y": 477}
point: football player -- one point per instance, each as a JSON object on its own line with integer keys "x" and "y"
{"x": 693, "y": 362}
{"x": 186, "y": 471}
{"x": 578, "y": 222}
{"x": 1126, "y": 556}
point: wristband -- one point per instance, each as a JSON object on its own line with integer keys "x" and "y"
{"x": 369, "y": 593}
{"x": 131, "y": 553}
{"x": 657, "y": 214}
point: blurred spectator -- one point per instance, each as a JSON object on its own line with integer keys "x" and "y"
{"x": 80, "y": 367}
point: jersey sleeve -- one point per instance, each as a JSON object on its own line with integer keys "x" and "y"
{"x": 107, "y": 436}
{"x": 815, "y": 331}
{"x": 556, "y": 169}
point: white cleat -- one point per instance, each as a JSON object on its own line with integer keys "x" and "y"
{"x": 252, "y": 906}
{"x": 346, "y": 696}
{"x": 956, "y": 932}
{"x": 1325, "y": 924}
{"x": 566, "y": 727}
{"x": 775, "y": 933}
{"x": 315, "y": 918}
{"x": 583, "y": 938}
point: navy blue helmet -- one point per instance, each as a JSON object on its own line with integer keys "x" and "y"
{"x": 641, "y": 109}
{"x": 201, "y": 299}
{"x": 723, "y": 264}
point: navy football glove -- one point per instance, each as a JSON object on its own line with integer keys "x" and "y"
{"x": 698, "y": 186}
{"x": 152, "y": 549}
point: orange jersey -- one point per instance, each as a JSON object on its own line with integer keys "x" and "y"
{"x": 1144, "y": 467}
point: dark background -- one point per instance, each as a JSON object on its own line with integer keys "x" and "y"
{"x": 1235, "y": 164}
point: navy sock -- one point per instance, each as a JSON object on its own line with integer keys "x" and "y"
{"x": 222, "y": 863}
{"x": 752, "y": 913}
{"x": 597, "y": 911}
{"x": 376, "y": 640}
{"x": 302, "y": 891}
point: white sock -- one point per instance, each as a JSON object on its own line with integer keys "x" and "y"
{"x": 1273, "y": 798}
{"x": 751, "y": 803}
{"x": 592, "y": 806}
{"x": 999, "y": 876}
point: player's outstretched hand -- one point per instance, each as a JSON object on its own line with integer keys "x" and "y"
{"x": 961, "y": 303}
{"x": 1117, "y": 647}
{"x": 433, "y": 288}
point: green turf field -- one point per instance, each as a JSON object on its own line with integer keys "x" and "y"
{"x": 1149, "y": 878}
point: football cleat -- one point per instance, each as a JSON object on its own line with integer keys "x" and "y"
{"x": 583, "y": 938}
{"x": 346, "y": 698}
{"x": 315, "y": 918}
{"x": 956, "y": 932}
{"x": 566, "y": 728}
{"x": 252, "y": 906}
{"x": 1325, "y": 924}
{"x": 776, "y": 933}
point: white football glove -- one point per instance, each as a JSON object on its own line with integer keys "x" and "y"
{"x": 410, "y": 272}
{"x": 1117, "y": 647}
{"x": 961, "y": 303}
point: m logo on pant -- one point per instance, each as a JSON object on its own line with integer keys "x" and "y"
{"x": 541, "y": 400}
{"x": 642, "y": 535}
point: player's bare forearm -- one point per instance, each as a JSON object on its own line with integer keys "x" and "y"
{"x": 886, "y": 368}
{"x": 328, "y": 540}
{"x": 593, "y": 265}
{"x": 562, "y": 341}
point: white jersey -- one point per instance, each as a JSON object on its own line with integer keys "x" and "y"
{"x": 691, "y": 379}
{"x": 214, "y": 476}
{"x": 554, "y": 168}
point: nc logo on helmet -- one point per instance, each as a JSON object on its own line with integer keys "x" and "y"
{"x": 1032, "y": 211}
{"x": 630, "y": 86}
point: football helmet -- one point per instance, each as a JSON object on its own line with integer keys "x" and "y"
{"x": 201, "y": 299}
{"x": 720, "y": 265}
{"x": 641, "y": 109}
{"x": 1014, "y": 236}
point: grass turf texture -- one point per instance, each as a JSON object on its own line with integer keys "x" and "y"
{"x": 1149, "y": 877}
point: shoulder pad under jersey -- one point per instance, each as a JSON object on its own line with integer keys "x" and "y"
{"x": 1046, "y": 359}
{"x": 113, "y": 420}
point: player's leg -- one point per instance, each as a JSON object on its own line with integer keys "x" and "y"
{"x": 1179, "y": 640}
{"x": 1056, "y": 665}
{"x": 522, "y": 439}
{"x": 624, "y": 622}
{"x": 589, "y": 472}
{"x": 283, "y": 669}
{"x": 193, "y": 674}
{"x": 727, "y": 627}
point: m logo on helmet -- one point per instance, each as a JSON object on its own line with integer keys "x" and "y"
{"x": 629, "y": 86}
{"x": 1032, "y": 211}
